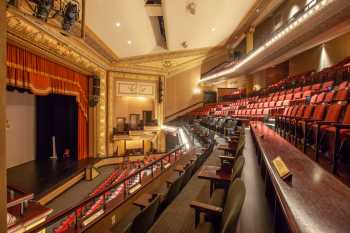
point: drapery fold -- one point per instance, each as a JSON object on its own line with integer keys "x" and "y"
{"x": 42, "y": 77}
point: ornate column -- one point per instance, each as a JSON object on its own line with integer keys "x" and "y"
{"x": 250, "y": 40}
{"x": 102, "y": 116}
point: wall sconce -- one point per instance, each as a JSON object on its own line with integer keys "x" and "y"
{"x": 197, "y": 91}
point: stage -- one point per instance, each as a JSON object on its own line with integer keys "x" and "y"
{"x": 42, "y": 177}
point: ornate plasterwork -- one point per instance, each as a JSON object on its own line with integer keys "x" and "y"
{"x": 18, "y": 27}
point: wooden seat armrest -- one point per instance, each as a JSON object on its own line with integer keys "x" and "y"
{"x": 224, "y": 157}
{"x": 206, "y": 208}
{"x": 169, "y": 182}
{"x": 341, "y": 126}
{"x": 325, "y": 122}
{"x": 307, "y": 120}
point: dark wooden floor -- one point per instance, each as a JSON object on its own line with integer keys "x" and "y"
{"x": 40, "y": 177}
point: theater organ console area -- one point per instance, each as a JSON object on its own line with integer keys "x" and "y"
{"x": 175, "y": 116}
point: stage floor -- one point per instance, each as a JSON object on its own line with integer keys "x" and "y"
{"x": 40, "y": 177}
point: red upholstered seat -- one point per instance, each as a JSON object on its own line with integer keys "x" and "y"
{"x": 320, "y": 98}
{"x": 316, "y": 87}
{"x": 343, "y": 85}
{"x": 329, "y": 97}
{"x": 298, "y": 95}
{"x": 306, "y": 88}
{"x": 342, "y": 95}
{"x": 327, "y": 85}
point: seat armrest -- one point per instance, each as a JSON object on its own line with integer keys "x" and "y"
{"x": 224, "y": 157}
{"x": 169, "y": 182}
{"x": 341, "y": 126}
{"x": 127, "y": 229}
{"x": 206, "y": 208}
{"x": 209, "y": 210}
{"x": 325, "y": 122}
{"x": 308, "y": 120}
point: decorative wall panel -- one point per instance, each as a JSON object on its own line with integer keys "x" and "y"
{"x": 125, "y": 88}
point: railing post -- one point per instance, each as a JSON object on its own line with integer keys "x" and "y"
{"x": 152, "y": 170}
{"x": 76, "y": 219}
{"x": 125, "y": 187}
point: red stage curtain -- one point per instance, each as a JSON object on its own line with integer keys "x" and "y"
{"x": 42, "y": 77}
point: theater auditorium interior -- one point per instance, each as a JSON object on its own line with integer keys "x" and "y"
{"x": 175, "y": 116}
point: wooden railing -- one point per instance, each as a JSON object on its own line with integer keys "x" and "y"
{"x": 16, "y": 196}
{"x": 183, "y": 110}
{"x": 92, "y": 209}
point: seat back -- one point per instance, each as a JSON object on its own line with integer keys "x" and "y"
{"x": 343, "y": 85}
{"x": 240, "y": 147}
{"x": 144, "y": 220}
{"x": 238, "y": 168}
{"x": 233, "y": 206}
{"x": 319, "y": 112}
{"x": 308, "y": 111}
{"x": 333, "y": 112}
{"x": 320, "y": 98}
{"x": 329, "y": 97}
{"x": 173, "y": 190}
{"x": 300, "y": 111}
{"x": 294, "y": 111}
{"x": 346, "y": 117}
{"x": 187, "y": 175}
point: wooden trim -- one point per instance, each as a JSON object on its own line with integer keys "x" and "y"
{"x": 55, "y": 193}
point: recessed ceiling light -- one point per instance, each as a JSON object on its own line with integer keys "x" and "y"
{"x": 117, "y": 24}
{"x": 213, "y": 29}
{"x": 129, "y": 42}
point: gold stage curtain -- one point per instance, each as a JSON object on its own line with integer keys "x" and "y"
{"x": 43, "y": 77}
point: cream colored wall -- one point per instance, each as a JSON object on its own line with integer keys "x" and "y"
{"x": 20, "y": 113}
{"x": 124, "y": 106}
{"x": 321, "y": 56}
{"x": 179, "y": 90}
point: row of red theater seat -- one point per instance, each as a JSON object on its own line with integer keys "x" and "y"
{"x": 114, "y": 178}
{"x": 324, "y": 124}
{"x": 274, "y": 102}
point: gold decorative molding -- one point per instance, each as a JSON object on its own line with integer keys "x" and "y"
{"x": 21, "y": 27}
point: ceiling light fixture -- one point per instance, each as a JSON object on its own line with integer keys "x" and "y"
{"x": 117, "y": 24}
{"x": 275, "y": 38}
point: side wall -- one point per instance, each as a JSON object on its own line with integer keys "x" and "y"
{"x": 20, "y": 132}
{"x": 179, "y": 90}
{"x": 321, "y": 56}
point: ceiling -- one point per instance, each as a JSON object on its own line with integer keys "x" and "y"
{"x": 209, "y": 25}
